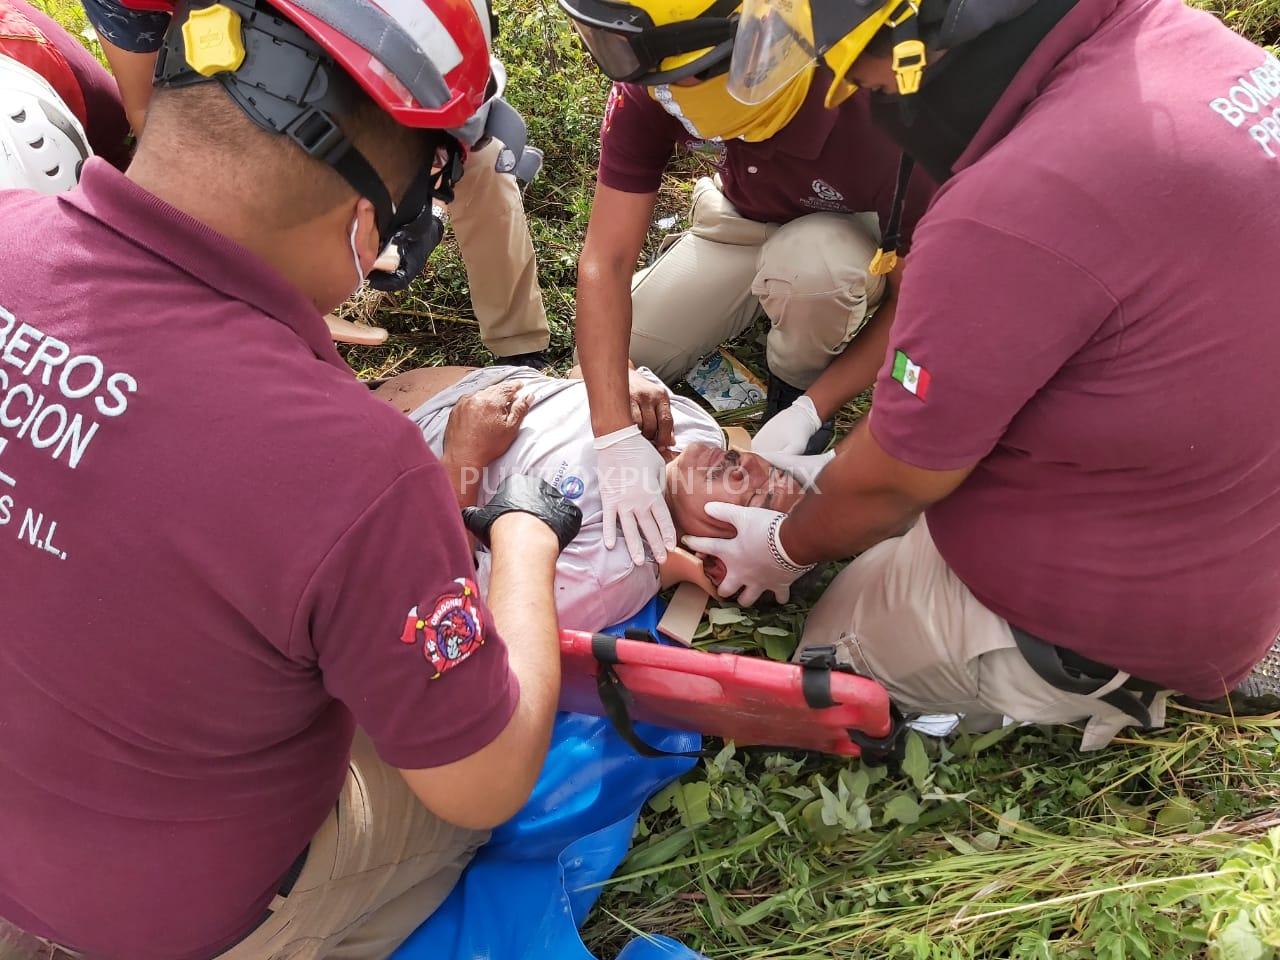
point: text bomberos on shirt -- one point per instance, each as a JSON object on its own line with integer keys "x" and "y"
{"x": 48, "y": 373}
{"x": 1254, "y": 100}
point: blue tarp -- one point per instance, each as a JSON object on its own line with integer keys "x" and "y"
{"x": 533, "y": 884}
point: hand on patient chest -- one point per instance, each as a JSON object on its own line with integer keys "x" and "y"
{"x": 651, "y": 411}
{"x": 483, "y": 425}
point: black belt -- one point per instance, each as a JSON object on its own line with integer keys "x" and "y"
{"x": 293, "y": 873}
{"x": 1070, "y": 672}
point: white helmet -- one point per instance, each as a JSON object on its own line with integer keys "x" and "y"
{"x": 42, "y": 145}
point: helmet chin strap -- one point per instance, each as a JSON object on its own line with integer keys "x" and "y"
{"x": 286, "y": 84}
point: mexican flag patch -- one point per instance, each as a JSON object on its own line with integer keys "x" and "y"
{"x": 911, "y": 375}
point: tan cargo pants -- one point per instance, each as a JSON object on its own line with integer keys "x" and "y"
{"x": 379, "y": 866}
{"x": 899, "y": 615}
{"x": 489, "y": 222}
{"x": 809, "y": 276}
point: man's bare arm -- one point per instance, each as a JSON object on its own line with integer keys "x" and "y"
{"x": 865, "y": 496}
{"x": 488, "y": 787}
{"x": 133, "y": 73}
{"x": 615, "y": 237}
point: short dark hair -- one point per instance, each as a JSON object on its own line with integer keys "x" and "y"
{"x": 201, "y": 128}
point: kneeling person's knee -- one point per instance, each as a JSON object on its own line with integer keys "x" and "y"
{"x": 821, "y": 257}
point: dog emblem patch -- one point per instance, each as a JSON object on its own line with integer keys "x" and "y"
{"x": 451, "y": 632}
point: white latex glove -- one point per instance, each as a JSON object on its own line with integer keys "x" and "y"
{"x": 790, "y": 430}
{"x": 631, "y": 474}
{"x": 805, "y": 469}
{"x": 753, "y": 559}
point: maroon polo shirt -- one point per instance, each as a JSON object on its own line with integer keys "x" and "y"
{"x": 823, "y": 160}
{"x": 219, "y": 554}
{"x": 1089, "y": 315}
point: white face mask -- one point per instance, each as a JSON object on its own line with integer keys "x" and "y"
{"x": 355, "y": 255}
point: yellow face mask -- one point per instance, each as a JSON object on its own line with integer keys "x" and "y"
{"x": 709, "y": 112}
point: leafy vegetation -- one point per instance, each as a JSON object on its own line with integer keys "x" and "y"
{"x": 1008, "y": 844}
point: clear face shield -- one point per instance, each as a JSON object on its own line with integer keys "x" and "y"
{"x": 774, "y": 46}
{"x": 777, "y": 39}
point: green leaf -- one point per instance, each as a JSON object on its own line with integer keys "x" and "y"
{"x": 1178, "y": 813}
{"x": 778, "y": 644}
{"x": 760, "y": 910}
{"x": 861, "y": 816}
{"x": 1009, "y": 820}
{"x": 990, "y": 739}
{"x": 987, "y": 841}
{"x": 856, "y": 782}
{"x": 903, "y": 809}
{"x": 831, "y": 806}
{"x": 1239, "y": 940}
{"x": 662, "y": 801}
{"x": 959, "y": 845}
{"x": 693, "y": 802}
{"x": 1138, "y": 947}
{"x": 916, "y": 762}
{"x": 724, "y": 756}
{"x": 657, "y": 852}
{"x": 781, "y": 820}
{"x": 801, "y": 870}
{"x": 812, "y": 817}
{"x": 725, "y": 616}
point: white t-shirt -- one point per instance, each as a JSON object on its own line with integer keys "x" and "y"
{"x": 595, "y": 587}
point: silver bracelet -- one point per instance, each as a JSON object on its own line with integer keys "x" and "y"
{"x": 779, "y": 555}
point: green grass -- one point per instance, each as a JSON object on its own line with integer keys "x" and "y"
{"x": 1013, "y": 844}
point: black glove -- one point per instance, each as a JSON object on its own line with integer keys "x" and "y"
{"x": 415, "y": 243}
{"x": 525, "y": 494}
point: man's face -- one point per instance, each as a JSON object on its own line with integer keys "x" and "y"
{"x": 704, "y": 473}
{"x": 875, "y": 73}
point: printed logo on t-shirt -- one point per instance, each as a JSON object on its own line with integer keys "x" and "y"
{"x": 825, "y": 197}
{"x": 1252, "y": 103}
{"x": 826, "y": 191}
{"x": 572, "y": 487}
{"x": 451, "y": 632}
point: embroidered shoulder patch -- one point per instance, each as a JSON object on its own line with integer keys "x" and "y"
{"x": 450, "y": 630}
{"x": 911, "y": 375}
{"x": 611, "y": 108}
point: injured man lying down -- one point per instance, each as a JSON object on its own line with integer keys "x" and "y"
{"x": 491, "y": 423}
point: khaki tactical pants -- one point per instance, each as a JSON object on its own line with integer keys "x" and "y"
{"x": 489, "y": 223}
{"x": 379, "y": 866}
{"x": 809, "y": 276}
{"x": 900, "y": 616}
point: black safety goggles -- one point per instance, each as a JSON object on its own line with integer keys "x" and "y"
{"x": 429, "y": 186}
{"x": 628, "y": 47}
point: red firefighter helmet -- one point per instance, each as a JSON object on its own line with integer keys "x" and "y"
{"x": 425, "y": 62}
